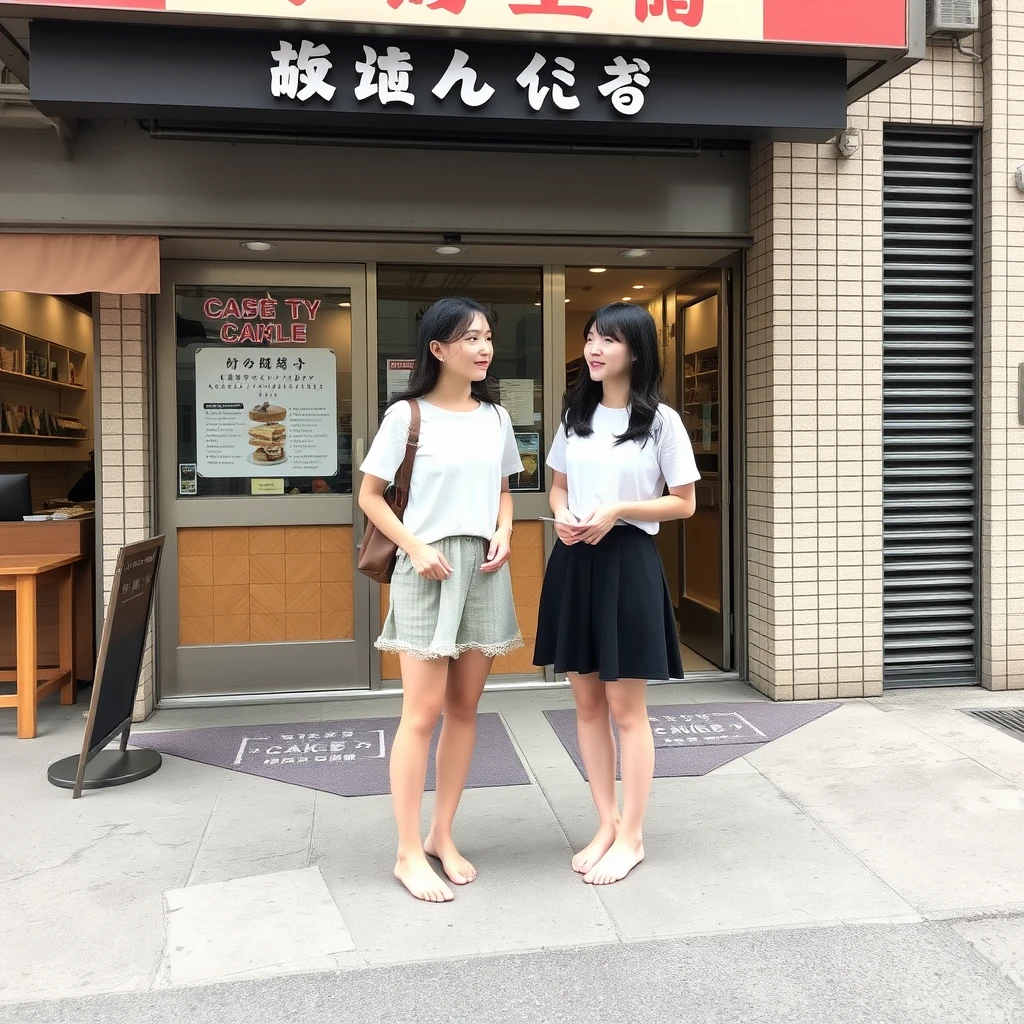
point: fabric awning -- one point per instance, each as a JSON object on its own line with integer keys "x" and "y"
{"x": 73, "y": 264}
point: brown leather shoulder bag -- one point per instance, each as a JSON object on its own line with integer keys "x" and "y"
{"x": 377, "y": 552}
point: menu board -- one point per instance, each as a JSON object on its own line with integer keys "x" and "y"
{"x": 264, "y": 413}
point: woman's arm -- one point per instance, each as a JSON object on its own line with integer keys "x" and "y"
{"x": 500, "y": 546}
{"x": 679, "y": 503}
{"x": 566, "y": 524}
{"x": 427, "y": 561}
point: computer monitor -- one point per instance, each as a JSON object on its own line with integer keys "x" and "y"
{"x": 15, "y": 497}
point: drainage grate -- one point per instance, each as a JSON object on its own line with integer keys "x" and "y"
{"x": 1010, "y": 720}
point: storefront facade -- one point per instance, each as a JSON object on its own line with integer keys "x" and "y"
{"x": 712, "y": 193}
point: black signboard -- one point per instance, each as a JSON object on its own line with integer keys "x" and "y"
{"x": 121, "y": 651}
{"x": 387, "y": 86}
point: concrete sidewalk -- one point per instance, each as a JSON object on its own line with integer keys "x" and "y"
{"x": 893, "y": 829}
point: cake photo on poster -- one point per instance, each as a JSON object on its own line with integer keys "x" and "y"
{"x": 269, "y": 435}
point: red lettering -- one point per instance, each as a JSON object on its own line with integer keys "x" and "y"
{"x": 453, "y": 6}
{"x": 265, "y": 333}
{"x": 293, "y": 305}
{"x": 250, "y": 308}
{"x": 268, "y": 309}
{"x": 232, "y": 308}
{"x": 688, "y": 12}
{"x": 248, "y": 334}
{"x": 229, "y": 333}
{"x": 312, "y": 306}
{"x": 551, "y": 7}
{"x": 299, "y": 334}
{"x": 212, "y": 308}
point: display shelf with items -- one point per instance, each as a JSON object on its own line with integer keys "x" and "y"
{"x": 701, "y": 401}
{"x": 43, "y": 398}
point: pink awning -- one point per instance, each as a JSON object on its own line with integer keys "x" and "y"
{"x": 72, "y": 264}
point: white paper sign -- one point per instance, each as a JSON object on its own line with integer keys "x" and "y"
{"x": 264, "y": 412}
{"x": 517, "y": 398}
{"x": 399, "y": 372}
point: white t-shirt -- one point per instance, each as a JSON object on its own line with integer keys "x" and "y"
{"x": 603, "y": 473}
{"x": 458, "y": 469}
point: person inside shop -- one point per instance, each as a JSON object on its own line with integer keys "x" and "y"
{"x": 451, "y": 611}
{"x": 622, "y": 464}
{"x": 84, "y": 488}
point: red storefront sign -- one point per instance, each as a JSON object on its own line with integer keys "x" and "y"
{"x": 875, "y": 24}
{"x": 255, "y": 321}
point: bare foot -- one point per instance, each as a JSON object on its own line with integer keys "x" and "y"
{"x": 620, "y": 859}
{"x": 585, "y": 861}
{"x": 421, "y": 880}
{"x": 456, "y": 867}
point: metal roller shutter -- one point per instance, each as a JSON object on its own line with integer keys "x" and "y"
{"x": 930, "y": 409}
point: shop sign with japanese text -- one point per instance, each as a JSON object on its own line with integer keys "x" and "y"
{"x": 875, "y": 24}
{"x": 431, "y": 86}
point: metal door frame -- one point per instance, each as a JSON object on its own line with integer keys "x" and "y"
{"x": 260, "y": 660}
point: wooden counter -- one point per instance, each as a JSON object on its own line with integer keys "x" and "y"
{"x": 22, "y": 575}
{"x": 56, "y": 537}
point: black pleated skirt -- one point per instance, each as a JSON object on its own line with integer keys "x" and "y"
{"x": 607, "y": 609}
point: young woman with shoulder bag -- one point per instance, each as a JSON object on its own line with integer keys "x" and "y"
{"x": 451, "y": 610}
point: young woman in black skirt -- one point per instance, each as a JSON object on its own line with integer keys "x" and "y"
{"x": 622, "y": 464}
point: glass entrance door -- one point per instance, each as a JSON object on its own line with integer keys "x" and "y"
{"x": 702, "y": 325}
{"x": 256, "y": 419}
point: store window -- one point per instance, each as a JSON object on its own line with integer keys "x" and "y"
{"x": 264, "y": 388}
{"x": 513, "y": 296}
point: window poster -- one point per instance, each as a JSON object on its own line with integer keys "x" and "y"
{"x": 398, "y": 376}
{"x": 529, "y": 451}
{"x": 264, "y": 414}
{"x": 517, "y": 398}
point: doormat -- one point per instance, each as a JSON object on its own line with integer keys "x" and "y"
{"x": 694, "y": 739}
{"x": 345, "y": 758}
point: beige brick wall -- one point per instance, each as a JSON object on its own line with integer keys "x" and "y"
{"x": 125, "y": 448}
{"x": 1003, "y": 320}
{"x": 814, "y": 392}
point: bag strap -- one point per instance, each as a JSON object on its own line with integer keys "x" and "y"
{"x": 403, "y": 478}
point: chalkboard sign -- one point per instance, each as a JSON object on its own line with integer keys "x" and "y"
{"x": 121, "y": 649}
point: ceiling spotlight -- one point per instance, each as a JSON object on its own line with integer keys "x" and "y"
{"x": 344, "y": 305}
{"x": 598, "y": 270}
{"x": 536, "y": 303}
{"x": 568, "y": 300}
{"x": 638, "y": 287}
{"x": 627, "y": 298}
{"x": 447, "y": 250}
{"x": 258, "y": 246}
{"x": 635, "y": 254}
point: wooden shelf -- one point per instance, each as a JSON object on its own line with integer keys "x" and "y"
{"x": 44, "y": 382}
{"x": 42, "y": 438}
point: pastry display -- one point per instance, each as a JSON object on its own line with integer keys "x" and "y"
{"x": 267, "y": 413}
{"x": 271, "y": 453}
{"x": 267, "y": 437}
{"x": 267, "y": 433}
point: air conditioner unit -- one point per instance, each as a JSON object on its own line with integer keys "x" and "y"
{"x": 956, "y": 18}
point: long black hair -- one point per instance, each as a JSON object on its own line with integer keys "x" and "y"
{"x": 447, "y": 320}
{"x": 633, "y": 326}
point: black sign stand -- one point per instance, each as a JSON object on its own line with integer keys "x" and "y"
{"x": 116, "y": 682}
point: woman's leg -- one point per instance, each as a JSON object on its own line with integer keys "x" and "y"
{"x": 627, "y": 699}
{"x": 597, "y": 748}
{"x": 423, "y": 687}
{"x": 466, "y": 678}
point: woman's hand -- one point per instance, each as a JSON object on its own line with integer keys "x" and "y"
{"x": 498, "y": 551}
{"x": 596, "y": 526}
{"x": 567, "y": 527}
{"x": 429, "y": 563}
